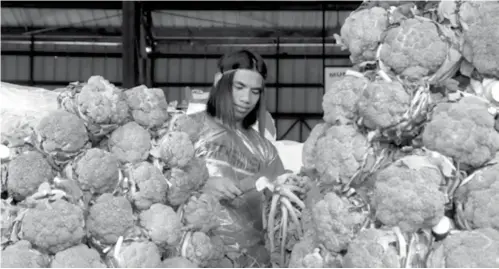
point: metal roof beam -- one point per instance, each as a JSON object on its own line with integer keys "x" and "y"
{"x": 69, "y": 31}
{"x": 193, "y": 5}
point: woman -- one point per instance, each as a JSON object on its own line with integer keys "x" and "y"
{"x": 237, "y": 155}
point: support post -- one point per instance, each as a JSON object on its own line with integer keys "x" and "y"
{"x": 323, "y": 46}
{"x": 131, "y": 43}
{"x": 32, "y": 60}
{"x": 277, "y": 88}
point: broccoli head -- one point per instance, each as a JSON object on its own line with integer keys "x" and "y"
{"x": 22, "y": 255}
{"x": 163, "y": 225}
{"x": 130, "y": 143}
{"x": 61, "y": 134}
{"x": 467, "y": 249}
{"x": 372, "y": 248}
{"x": 79, "y": 256}
{"x": 336, "y": 222}
{"x": 26, "y": 172}
{"x": 178, "y": 262}
{"x": 200, "y": 213}
{"x": 463, "y": 131}
{"x": 479, "y": 22}
{"x": 383, "y": 104}
{"x": 186, "y": 181}
{"x": 96, "y": 171}
{"x": 176, "y": 149}
{"x": 302, "y": 250}
{"x": 478, "y": 198}
{"x": 148, "y": 106}
{"x": 340, "y": 101}
{"x": 408, "y": 196}
{"x": 337, "y": 154}
{"x": 139, "y": 254}
{"x": 201, "y": 250}
{"x": 53, "y": 227}
{"x": 109, "y": 218}
{"x": 414, "y": 49}
{"x": 187, "y": 124}
{"x": 150, "y": 186}
{"x": 362, "y": 32}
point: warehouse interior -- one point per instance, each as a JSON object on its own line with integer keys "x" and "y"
{"x": 175, "y": 44}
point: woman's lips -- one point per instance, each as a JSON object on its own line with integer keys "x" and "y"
{"x": 241, "y": 109}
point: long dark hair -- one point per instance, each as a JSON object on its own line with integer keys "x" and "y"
{"x": 220, "y": 102}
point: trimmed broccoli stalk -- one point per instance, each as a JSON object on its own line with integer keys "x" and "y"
{"x": 26, "y": 172}
{"x": 383, "y": 104}
{"x": 174, "y": 149}
{"x": 362, "y": 32}
{"x": 22, "y": 255}
{"x": 467, "y": 249}
{"x": 340, "y": 101}
{"x": 186, "y": 181}
{"x": 80, "y": 256}
{"x": 479, "y": 22}
{"x": 149, "y": 186}
{"x": 98, "y": 103}
{"x": 336, "y": 222}
{"x": 130, "y": 143}
{"x": 187, "y": 124}
{"x": 178, "y": 262}
{"x": 477, "y": 198}
{"x": 61, "y": 135}
{"x": 53, "y": 227}
{"x": 415, "y": 49}
{"x": 406, "y": 194}
{"x": 136, "y": 254}
{"x": 200, "y": 213}
{"x": 372, "y": 249}
{"x": 148, "y": 106}
{"x": 96, "y": 171}
{"x": 109, "y": 218}
{"x": 338, "y": 153}
{"x": 163, "y": 225}
{"x": 463, "y": 131}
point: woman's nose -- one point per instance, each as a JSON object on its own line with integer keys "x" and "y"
{"x": 245, "y": 96}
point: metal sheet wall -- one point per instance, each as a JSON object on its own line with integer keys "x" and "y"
{"x": 291, "y": 100}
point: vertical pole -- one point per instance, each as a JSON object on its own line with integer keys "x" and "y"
{"x": 323, "y": 46}
{"x": 277, "y": 87}
{"x": 130, "y": 43}
{"x": 32, "y": 60}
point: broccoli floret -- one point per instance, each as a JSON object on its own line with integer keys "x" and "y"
{"x": 479, "y": 20}
{"x": 109, "y": 218}
{"x": 362, "y": 32}
{"x": 383, "y": 104}
{"x": 163, "y": 225}
{"x": 139, "y": 255}
{"x": 414, "y": 49}
{"x": 150, "y": 186}
{"x": 463, "y": 131}
{"x": 176, "y": 149}
{"x": 178, "y": 262}
{"x": 26, "y": 172}
{"x": 467, "y": 249}
{"x": 201, "y": 250}
{"x": 338, "y": 152}
{"x": 372, "y": 249}
{"x": 335, "y": 223}
{"x": 148, "y": 106}
{"x": 21, "y": 255}
{"x": 201, "y": 212}
{"x": 340, "y": 101}
{"x": 408, "y": 198}
{"x": 130, "y": 143}
{"x": 61, "y": 133}
{"x": 187, "y": 124}
{"x": 479, "y": 198}
{"x": 53, "y": 227}
{"x": 80, "y": 256}
{"x": 97, "y": 171}
{"x": 186, "y": 181}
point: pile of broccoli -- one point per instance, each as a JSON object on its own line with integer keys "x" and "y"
{"x": 406, "y": 162}
{"x": 109, "y": 180}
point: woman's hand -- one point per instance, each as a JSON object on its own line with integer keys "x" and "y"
{"x": 222, "y": 188}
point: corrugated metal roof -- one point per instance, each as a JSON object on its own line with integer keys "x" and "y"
{"x": 46, "y": 18}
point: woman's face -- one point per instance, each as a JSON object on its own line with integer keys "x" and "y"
{"x": 246, "y": 90}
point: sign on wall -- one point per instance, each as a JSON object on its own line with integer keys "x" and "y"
{"x": 332, "y": 74}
